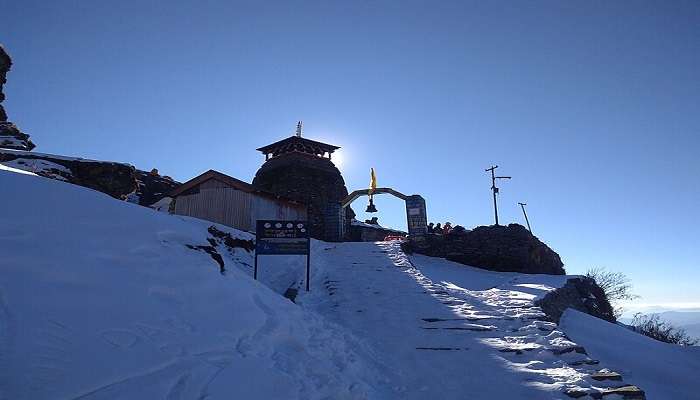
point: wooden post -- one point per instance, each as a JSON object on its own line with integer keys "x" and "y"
{"x": 255, "y": 269}
{"x": 522, "y": 205}
{"x": 308, "y": 263}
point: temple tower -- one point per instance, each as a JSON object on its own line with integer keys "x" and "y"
{"x": 301, "y": 169}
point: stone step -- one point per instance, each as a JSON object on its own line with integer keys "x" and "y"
{"x": 587, "y": 361}
{"x": 606, "y": 376}
{"x": 628, "y": 392}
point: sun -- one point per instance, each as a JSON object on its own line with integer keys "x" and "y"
{"x": 338, "y": 159}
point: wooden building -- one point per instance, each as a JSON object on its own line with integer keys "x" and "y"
{"x": 219, "y": 198}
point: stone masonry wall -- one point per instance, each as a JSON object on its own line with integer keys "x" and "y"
{"x": 314, "y": 181}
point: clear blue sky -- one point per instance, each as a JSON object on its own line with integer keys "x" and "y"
{"x": 592, "y": 106}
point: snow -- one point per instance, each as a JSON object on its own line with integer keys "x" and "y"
{"x": 663, "y": 370}
{"x": 162, "y": 205}
{"x": 15, "y": 170}
{"x": 20, "y": 153}
{"x": 6, "y": 140}
{"x": 446, "y": 330}
{"x": 101, "y": 299}
{"x": 44, "y": 167}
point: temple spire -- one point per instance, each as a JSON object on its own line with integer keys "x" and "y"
{"x": 299, "y": 125}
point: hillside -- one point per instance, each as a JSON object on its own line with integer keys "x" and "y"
{"x": 103, "y": 299}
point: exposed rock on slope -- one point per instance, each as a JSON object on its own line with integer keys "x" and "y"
{"x": 152, "y": 187}
{"x": 5, "y": 64}
{"x": 498, "y": 248}
{"x": 115, "y": 179}
{"x": 581, "y": 294}
{"x": 10, "y": 136}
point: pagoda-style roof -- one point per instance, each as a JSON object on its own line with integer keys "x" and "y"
{"x": 298, "y": 144}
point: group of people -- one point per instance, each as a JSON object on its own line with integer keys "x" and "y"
{"x": 440, "y": 229}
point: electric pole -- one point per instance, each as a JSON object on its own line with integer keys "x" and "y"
{"x": 522, "y": 205}
{"x": 495, "y": 189}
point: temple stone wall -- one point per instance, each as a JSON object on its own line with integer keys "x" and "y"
{"x": 314, "y": 181}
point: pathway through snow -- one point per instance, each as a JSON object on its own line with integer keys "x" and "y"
{"x": 448, "y": 330}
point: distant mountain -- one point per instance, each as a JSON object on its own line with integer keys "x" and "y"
{"x": 687, "y": 320}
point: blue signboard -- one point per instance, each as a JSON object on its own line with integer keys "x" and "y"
{"x": 281, "y": 237}
{"x": 276, "y": 237}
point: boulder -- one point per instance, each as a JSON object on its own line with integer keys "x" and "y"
{"x": 509, "y": 248}
{"x": 580, "y": 293}
{"x": 152, "y": 187}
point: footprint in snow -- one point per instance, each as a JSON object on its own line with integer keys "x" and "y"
{"x": 120, "y": 338}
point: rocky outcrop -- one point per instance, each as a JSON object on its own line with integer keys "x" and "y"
{"x": 509, "y": 248}
{"x": 5, "y": 64}
{"x": 115, "y": 179}
{"x": 582, "y": 294}
{"x": 314, "y": 181}
{"x": 10, "y": 136}
{"x": 152, "y": 187}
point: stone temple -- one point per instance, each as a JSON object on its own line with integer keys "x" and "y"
{"x": 301, "y": 169}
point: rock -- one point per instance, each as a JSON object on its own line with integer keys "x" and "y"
{"x": 606, "y": 376}
{"x": 152, "y": 187}
{"x": 575, "y": 392}
{"x": 314, "y": 181}
{"x": 115, "y": 179}
{"x": 509, "y": 248}
{"x": 628, "y": 392}
{"x": 581, "y": 294}
{"x": 10, "y": 136}
{"x": 5, "y": 64}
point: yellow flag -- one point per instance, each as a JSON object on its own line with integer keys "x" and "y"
{"x": 372, "y": 181}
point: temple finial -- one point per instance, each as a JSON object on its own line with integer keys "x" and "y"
{"x": 299, "y": 125}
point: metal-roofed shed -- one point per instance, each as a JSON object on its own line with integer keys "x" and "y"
{"x": 220, "y": 198}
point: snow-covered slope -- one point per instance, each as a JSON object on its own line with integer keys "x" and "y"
{"x": 665, "y": 371}
{"x": 102, "y": 299}
{"x": 453, "y": 332}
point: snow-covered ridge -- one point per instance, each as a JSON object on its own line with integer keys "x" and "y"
{"x": 15, "y": 170}
{"x": 33, "y": 154}
{"x": 102, "y": 299}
